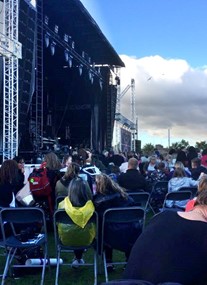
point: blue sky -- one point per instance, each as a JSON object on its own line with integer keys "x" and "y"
{"x": 166, "y": 40}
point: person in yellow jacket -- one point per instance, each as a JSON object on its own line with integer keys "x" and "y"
{"x": 79, "y": 207}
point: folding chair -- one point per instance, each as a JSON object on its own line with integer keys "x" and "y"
{"x": 192, "y": 189}
{"x": 129, "y": 223}
{"x": 60, "y": 216}
{"x": 141, "y": 199}
{"x": 18, "y": 217}
{"x": 157, "y": 197}
{"x": 58, "y": 200}
{"x": 173, "y": 199}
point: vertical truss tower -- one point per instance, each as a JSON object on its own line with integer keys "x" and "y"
{"x": 10, "y": 49}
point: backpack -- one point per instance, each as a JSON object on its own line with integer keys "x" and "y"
{"x": 39, "y": 182}
{"x": 40, "y": 185}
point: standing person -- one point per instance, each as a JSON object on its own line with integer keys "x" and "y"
{"x": 110, "y": 195}
{"x": 9, "y": 183}
{"x": 79, "y": 207}
{"x": 67, "y": 160}
{"x": 132, "y": 180}
{"x": 172, "y": 248}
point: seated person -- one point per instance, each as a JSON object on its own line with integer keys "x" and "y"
{"x": 132, "y": 180}
{"x": 61, "y": 187}
{"x": 197, "y": 168}
{"x": 79, "y": 207}
{"x": 202, "y": 185}
{"x": 172, "y": 247}
{"x": 111, "y": 195}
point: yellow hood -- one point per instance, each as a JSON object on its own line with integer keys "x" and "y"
{"x": 79, "y": 215}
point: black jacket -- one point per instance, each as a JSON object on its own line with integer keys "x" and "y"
{"x": 132, "y": 180}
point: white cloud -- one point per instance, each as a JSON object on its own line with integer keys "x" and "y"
{"x": 169, "y": 95}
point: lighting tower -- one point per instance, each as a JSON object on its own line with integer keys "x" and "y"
{"x": 133, "y": 113}
{"x": 11, "y": 51}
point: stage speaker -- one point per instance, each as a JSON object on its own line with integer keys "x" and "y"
{"x": 138, "y": 146}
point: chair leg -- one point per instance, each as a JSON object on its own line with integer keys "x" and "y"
{"x": 57, "y": 268}
{"x": 105, "y": 267}
{"x": 45, "y": 261}
{"x": 9, "y": 259}
{"x": 95, "y": 267}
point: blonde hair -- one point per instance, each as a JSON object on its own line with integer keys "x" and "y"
{"x": 179, "y": 164}
{"x": 202, "y": 185}
{"x": 105, "y": 185}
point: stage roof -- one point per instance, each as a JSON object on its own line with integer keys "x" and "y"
{"x": 73, "y": 19}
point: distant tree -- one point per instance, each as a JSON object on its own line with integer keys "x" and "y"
{"x": 181, "y": 144}
{"x": 148, "y": 149}
{"x": 201, "y": 145}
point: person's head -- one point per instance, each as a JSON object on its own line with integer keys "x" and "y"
{"x": 52, "y": 161}
{"x": 132, "y": 163}
{"x": 161, "y": 166}
{"x": 72, "y": 171}
{"x": 9, "y": 171}
{"x": 195, "y": 162}
{"x": 79, "y": 192}
{"x": 105, "y": 185}
{"x": 179, "y": 172}
{"x": 152, "y": 159}
{"x": 67, "y": 160}
{"x": 201, "y": 198}
{"x": 202, "y": 184}
{"x": 179, "y": 164}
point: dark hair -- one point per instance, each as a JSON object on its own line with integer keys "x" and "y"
{"x": 9, "y": 172}
{"x": 196, "y": 161}
{"x": 79, "y": 192}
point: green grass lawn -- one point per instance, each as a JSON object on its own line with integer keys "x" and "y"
{"x": 81, "y": 276}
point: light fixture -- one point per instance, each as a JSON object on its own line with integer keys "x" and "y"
{"x": 89, "y": 74}
{"x": 46, "y": 20}
{"x": 47, "y": 40}
{"x": 70, "y": 61}
{"x": 101, "y": 83}
{"x": 80, "y": 69}
{"x": 83, "y": 54}
{"x": 52, "y": 47}
{"x": 66, "y": 38}
{"x": 66, "y": 52}
{"x": 56, "y": 29}
{"x": 92, "y": 77}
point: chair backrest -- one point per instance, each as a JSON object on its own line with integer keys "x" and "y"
{"x": 160, "y": 187}
{"x": 192, "y": 189}
{"x": 58, "y": 200}
{"x": 60, "y": 216}
{"x": 141, "y": 199}
{"x": 177, "y": 196}
{"x": 23, "y": 215}
{"x": 122, "y": 218}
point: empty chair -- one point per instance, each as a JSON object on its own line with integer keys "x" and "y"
{"x": 141, "y": 199}
{"x": 157, "y": 197}
{"x": 61, "y": 217}
{"x": 18, "y": 217}
{"x": 176, "y": 200}
{"x": 120, "y": 229}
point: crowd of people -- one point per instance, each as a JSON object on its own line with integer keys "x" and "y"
{"x": 92, "y": 181}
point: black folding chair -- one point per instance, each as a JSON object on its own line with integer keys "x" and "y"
{"x": 157, "y": 197}
{"x": 141, "y": 199}
{"x": 58, "y": 200}
{"x": 173, "y": 199}
{"x": 192, "y": 189}
{"x": 60, "y": 216}
{"x": 19, "y": 217}
{"x": 129, "y": 223}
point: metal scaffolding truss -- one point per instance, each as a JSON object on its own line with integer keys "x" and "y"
{"x": 10, "y": 49}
